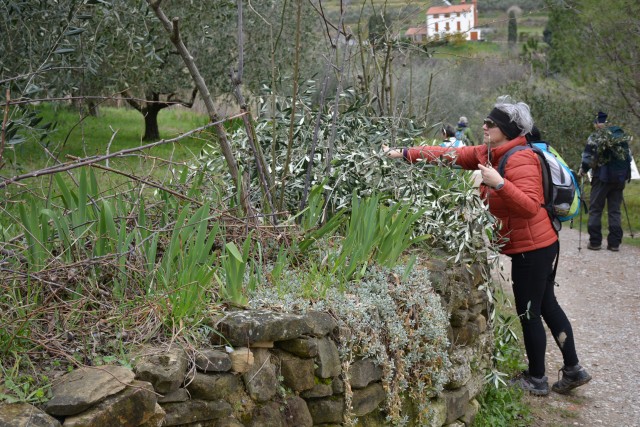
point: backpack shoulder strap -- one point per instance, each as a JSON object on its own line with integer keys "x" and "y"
{"x": 503, "y": 160}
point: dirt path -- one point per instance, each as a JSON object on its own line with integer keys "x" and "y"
{"x": 600, "y": 292}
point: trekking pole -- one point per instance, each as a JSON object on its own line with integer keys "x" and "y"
{"x": 580, "y": 218}
{"x": 627, "y": 213}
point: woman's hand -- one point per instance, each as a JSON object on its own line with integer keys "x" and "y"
{"x": 490, "y": 176}
{"x": 394, "y": 153}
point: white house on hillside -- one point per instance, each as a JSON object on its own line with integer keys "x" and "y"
{"x": 447, "y": 20}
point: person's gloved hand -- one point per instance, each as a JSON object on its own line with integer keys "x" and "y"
{"x": 490, "y": 176}
{"x": 581, "y": 172}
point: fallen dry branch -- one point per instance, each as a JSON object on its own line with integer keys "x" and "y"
{"x": 96, "y": 159}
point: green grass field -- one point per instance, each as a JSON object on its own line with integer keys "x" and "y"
{"x": 113, "y": 130}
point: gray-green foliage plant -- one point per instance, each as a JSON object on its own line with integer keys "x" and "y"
{"x": 391, "y": 316}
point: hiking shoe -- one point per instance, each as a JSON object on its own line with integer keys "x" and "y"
{"x": 613, "y": 248}
{"x": 535, "y": 386}
{"x": 572, "y": 377}
{"x": 594, "y": 247}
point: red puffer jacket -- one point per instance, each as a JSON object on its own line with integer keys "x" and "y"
{"x": 519, "y": 204}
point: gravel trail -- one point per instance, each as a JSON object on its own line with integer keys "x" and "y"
{"x": 600, "y": 292}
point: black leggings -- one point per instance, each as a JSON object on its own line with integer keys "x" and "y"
{"x": 533, "y": 281}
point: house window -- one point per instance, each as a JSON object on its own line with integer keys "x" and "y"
{"x": 436, "y": 27}
{"x": 446, "y": 15}
{"x": 446, "y": 27}
{"x": 436, "y": 16}
{"x": 459, "y": 28}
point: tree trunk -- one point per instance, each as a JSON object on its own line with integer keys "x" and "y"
{"x": 93, "y": 109}
{"x": 151, "y": 129}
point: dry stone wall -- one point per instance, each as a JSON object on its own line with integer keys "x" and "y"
{"x": 270, "y": 369}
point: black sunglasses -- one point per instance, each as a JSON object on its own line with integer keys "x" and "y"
{"x": 489, "y": 123}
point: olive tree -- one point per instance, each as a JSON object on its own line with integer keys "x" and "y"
{"x": 597, "y": 46}
{"x": 93, "y": 50}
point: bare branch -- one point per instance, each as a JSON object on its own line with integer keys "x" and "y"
{"x": 133, "y": 102}
{"x": 174, "y": 35}
{"x": 95, "y": 159}
{"x": 27, "y": 75}
{"x": 294, "y": 101}
{"x": 139, "y": 179}
{"x": 23, "y": 101}
{"x": 5, "y": 120}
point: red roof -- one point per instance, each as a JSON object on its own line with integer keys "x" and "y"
{"x": 449, "y": 9}
{"x": 416, "y": 31}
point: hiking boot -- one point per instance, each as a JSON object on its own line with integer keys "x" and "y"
{"x": 594, "y": 247}
{"x": 572, "y": 377}
{"x": 535, "y": 386}
{"x": 613, "y": 248}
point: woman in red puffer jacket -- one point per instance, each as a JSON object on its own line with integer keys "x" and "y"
{"x": 517, "y": 200}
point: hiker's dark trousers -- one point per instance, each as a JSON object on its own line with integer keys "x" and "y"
{"x": 533, "y": 281}
{"x": 611, "y": 194}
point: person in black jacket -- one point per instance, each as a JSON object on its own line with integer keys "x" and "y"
{"x": 607, "y": 155}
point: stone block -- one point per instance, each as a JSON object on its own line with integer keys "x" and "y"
{"x": 326, "y": 410}
{"x": 337, "y": 385}
{"x": 296, "y": 413}
{"x": 165, "y": 369}
{"x": 367, "y": 399}
{"x": 228, "y": 422}
{"x": 213, "y": 386}
{"x": 465, "y": 335}
{"x": 82, "y": 388}
{"x": 328, "y": 359}
{"x": 481, "y": 322}
{"x": 472, "y": 410}
{"x": 268, "y": 415}
{"x": 438, "y": 409}
{"x": 320, "y": 389}
{"x": 129, "y": 408}
{"x": 193, "y": 411}
{"x": 25, "y": 415}
{"x": 297, "y": 373}
{"x": 247, "y": 327}
{"x": 457, "y": 402}
{"x": 301, "y": 347}
{"x": 179, "y": 395}
{"x": 320, "y": 323}
{"x": 241, "y": 360}
{"x": 260, "y": 380}
{"x": 460, "y": 371}
{"x": 459, "y": 317}
{"x": 157, "y": 419}
{"x": 213, "y": 361}
{"x": 363, "y": 372}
